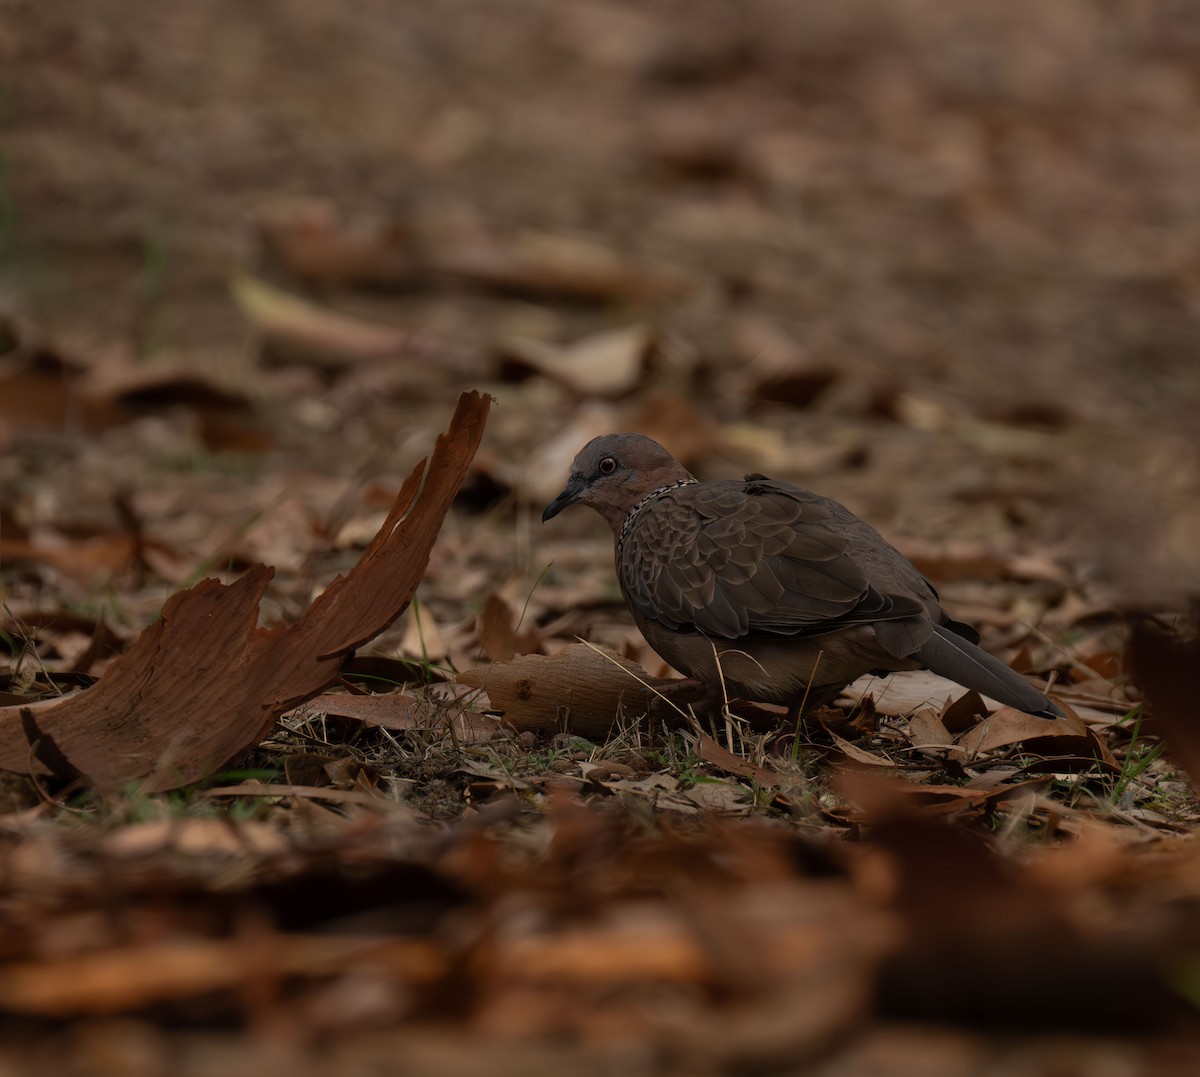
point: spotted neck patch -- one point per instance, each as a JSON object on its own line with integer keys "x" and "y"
{"x": 633, "y": 512}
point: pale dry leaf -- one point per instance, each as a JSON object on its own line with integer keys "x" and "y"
{"x": 401, "y": 712}
{"x": 721, "y": 797}
{"x": 653, "y": 785}
{"x": 332, "y": 336}
{"x": 499, "y": 639}
{"x": 423, "y": 639}
{"x": 907, "y": 691}
{"x": 607, "y": 364}
{"x": 215, "y": 837}
{"x": 927, "y": 731}
{"x": 374, "y": 801}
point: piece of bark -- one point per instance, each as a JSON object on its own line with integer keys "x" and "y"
{"x": 203, "y": 684}
{"x": 581, "y": 689}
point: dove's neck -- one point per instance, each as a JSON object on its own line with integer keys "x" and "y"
{"x": 632, "y": 514}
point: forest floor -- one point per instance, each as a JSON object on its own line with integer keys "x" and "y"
{"x": 936, "y": 261}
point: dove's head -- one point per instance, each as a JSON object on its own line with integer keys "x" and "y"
{"x": 614, "y": 473}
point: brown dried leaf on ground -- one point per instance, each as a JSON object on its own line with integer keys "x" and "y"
{"x": 722, "y": 758}
{"x": 313, "y": 243}
{"x": 961, "y": 559}
{"x": 44, "y": 391}
{"x": 401, "y": 712}
{"x": 927, "y": 730}
{"x": 79, "y": 385}
{"x": 871, "y": 796}
{"x": 90, "y": 560}
{"x": 500, "y": 637}
{"x": 335, "y": 338}
{"x": 204, "y": 683}
{"x": 180, "y": 381}
{"x": 1005, "y": 727}
{"x": 607, "y": 364}
{"x": 777, "y": 364}
{"x": 80, "y": 641}
{"x": 539, "y": 264}
{"x": 982, "y": 936}
{"x": 903, "y": 693}
{"x": 124, "y": 977}
{"x": 856, "y": 756}
{"x": 1168, "y": 665}
{"x": 95, "y": 553}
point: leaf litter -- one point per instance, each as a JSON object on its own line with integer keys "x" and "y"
{"x": 148, "y": 720}
{"x": 289, "y": 827}
{"x": 673, "y": 920}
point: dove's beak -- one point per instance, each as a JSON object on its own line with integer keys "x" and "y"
{"x": 570, "y": 494}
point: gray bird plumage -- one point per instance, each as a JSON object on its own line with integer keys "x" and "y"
{"x": 777, "y": 592}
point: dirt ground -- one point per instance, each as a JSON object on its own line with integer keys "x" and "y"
{"x": 939, "y": 261}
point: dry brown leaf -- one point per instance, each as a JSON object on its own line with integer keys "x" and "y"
{"x": 401, "y": 712}
{"x": 215, "y": 837}
{"x": 777, "y": 362}
{"x": 964, "y": 712}
{"x": 944, "y": 562}
{"x": 86, "y": 560}
{"x": 203, "y": 684}
{"x": 389, "y": 710}
{"x": 76, "y": 385}
{"x": 654, "y": 786}
{"x": 608, "y": 364}
{"x": 497, "y": 636}
{"x": 44, "y": 393}
{"x": 374, "y": 801}
{"x": 901, "y": 694}
{"x": 1095, "y": 699}
{"x": 719, "y": 797}
{"x": 876, "y": 796}
{"x": 688, "y": 146}
{"x": 335, "y": 337}
{"x": 230, "y": 435}
{"x": 1008, "y": 726}
{"x": 164, "y": 384}
{"x": 423, "y": 640}
{"x": 927, "y": 731}
{"x": 307, "y": 768}
{"x": 711, "y": 752}
{"x": 855, "y": 754}
{"x": 92, "y": 558}
{"x": 130, "y": 976}
{"x": 550, "y": 265}
{"x": 1108, "y": 664}
{"x": 314, "y": 244}
{"x": 499, "y": 639}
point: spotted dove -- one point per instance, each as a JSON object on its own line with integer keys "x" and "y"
{"x": 767, "y": 591}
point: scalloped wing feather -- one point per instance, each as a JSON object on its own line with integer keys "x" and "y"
{"x": 729, "y": 559}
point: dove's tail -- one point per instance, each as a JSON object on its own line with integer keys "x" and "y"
{"x": 950, "y": 655}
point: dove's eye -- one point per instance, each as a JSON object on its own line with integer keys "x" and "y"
{"x": 607, "y": 466}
